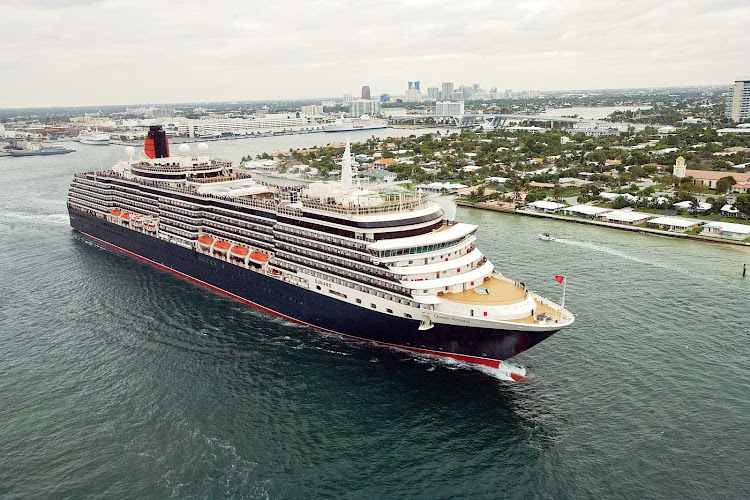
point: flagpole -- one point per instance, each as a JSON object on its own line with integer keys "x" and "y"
{"x": 565, "y": 282}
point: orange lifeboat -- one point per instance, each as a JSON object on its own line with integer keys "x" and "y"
{"x": 206, "y": 241}
{"x": 222, "y": 246}
{"x": 240, "y": 252}
{"x": 115, "y": 213}
{"x": 259, "y": 257}
{"x": 126, "y": 217}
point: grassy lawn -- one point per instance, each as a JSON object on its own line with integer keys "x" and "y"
{"x": 657, "y": 211}
{"x": 735, "y": 221}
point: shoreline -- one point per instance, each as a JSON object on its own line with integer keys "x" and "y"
{"x": 609, "y": 225}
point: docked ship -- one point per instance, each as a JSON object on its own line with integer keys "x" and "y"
{"x": 34, "y": 149}
{"x": 93, "y": 138}
{"x": 368, "y": 262}
{"x": 364, "y": 122}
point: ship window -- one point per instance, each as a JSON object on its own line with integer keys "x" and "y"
{"x": 407, "y": 315}
{"x": 389, "y": 311}
{"x": 359, "y": 301}
{"x": 318, "y": 287}
{"x": 373, "y": 306}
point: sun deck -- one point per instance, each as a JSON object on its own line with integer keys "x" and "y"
{"x": 500, "y": 292}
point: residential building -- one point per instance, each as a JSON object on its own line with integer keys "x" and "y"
{"x": 378, "y": 175}
{"x": 413, "y": 95}
{"x": 449, "y": 108}
{"x": 726, "y": 230}
{"x": 675, "y": 224}
{"x": 366, "y": 92}
{"x": 447, "y": 93}
{"x": 738, "y": 102}
{"x": 547, "y": 207}
{"x": 626, "y": 217}
{"x": 360, "y": 107}
{"x": 347, "y": 99}
{"x": 312, "y": 110}
{"x": 433, "y": 93}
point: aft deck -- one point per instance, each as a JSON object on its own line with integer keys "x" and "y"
{"x": 500, "y": 292}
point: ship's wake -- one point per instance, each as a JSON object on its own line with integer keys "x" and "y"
{"x": 24, "y": 217}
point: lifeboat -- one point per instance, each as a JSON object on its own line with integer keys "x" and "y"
{"x": 206, "y": 241}
{"x": 240, "y": 252}
{"x": 125, "y": 217}
{"x": 115, "y": 213}
{"x": 138, "y": 221}
{"x": 259, "y": 257}
{"x": 222, "y": 246}
{"x": 150, "y": 225}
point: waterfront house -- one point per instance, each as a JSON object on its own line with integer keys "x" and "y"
{"x": 677, "y": 224}
{"x": 726, "y": 230}
{"x": 626, "y": 217}
{"x": 587, "y": 211}
{"x": 547, "y": 207}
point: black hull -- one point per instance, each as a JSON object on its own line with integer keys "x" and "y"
{"x": 476, "y": 345}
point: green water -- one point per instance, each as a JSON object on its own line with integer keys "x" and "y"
{"x": 118, "y": 380}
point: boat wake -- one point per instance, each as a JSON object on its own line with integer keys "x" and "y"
{"x": 607, "y": 250}
{"x": 36, "y": 218}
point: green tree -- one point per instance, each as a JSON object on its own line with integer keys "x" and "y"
{"x": 724, "y": 184}
{"x": 743, "y": 204}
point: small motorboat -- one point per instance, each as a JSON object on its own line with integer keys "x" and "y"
{"x": 547, "y": 237}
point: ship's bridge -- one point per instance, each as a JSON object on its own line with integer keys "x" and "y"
{"x": 424, "y": 245}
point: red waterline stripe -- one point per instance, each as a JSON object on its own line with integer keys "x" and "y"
{"x": 493, "y": 363}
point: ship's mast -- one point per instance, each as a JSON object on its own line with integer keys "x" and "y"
{"x": 346, "y": 167}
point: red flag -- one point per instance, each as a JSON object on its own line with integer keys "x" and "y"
{"x": 559, "y": 278}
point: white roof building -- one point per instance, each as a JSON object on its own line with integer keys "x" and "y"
{"x": 546, "y": 206}
{"x": 627, "y": 217}
{"x": 614, "y": 196}
{"x": 729, "y": 210}
{"x": 726, "y": 230}
{"x": 674, "y": 223}
{"x": 587, "y": 211}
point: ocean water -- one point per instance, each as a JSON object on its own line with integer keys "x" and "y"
{"x": 119, "y": 380}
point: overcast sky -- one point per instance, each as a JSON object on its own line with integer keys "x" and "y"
{"x": 92, "y": 52}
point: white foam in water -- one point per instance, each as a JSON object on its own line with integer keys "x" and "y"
{"x": 600, "y": 248}
{"x": 43, "y": 218}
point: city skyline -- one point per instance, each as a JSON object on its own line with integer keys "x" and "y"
{"x": 98, "y": 52}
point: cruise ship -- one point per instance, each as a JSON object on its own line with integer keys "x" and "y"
{"x": 368, "y": 262}
{"x": 364, "y": 122}
{"x": 93, "y": 138}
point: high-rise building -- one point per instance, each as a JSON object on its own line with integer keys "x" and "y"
{"x": 433, "y": 93}
{"x": 413, "y": 95}
{"x": 347, "y": 99}
{"x": 416, "y": 85}
{"x": 312, "y": 110}
{"x": 448, "y": 108}
{"x": 738, "y": 102}
{"x": 366, "y": 92}
{"x": 447, "y": 94}
{"x": 361, "y": 107}
{"x": 411, "y": 85}
{"x": 385, "y": 97}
